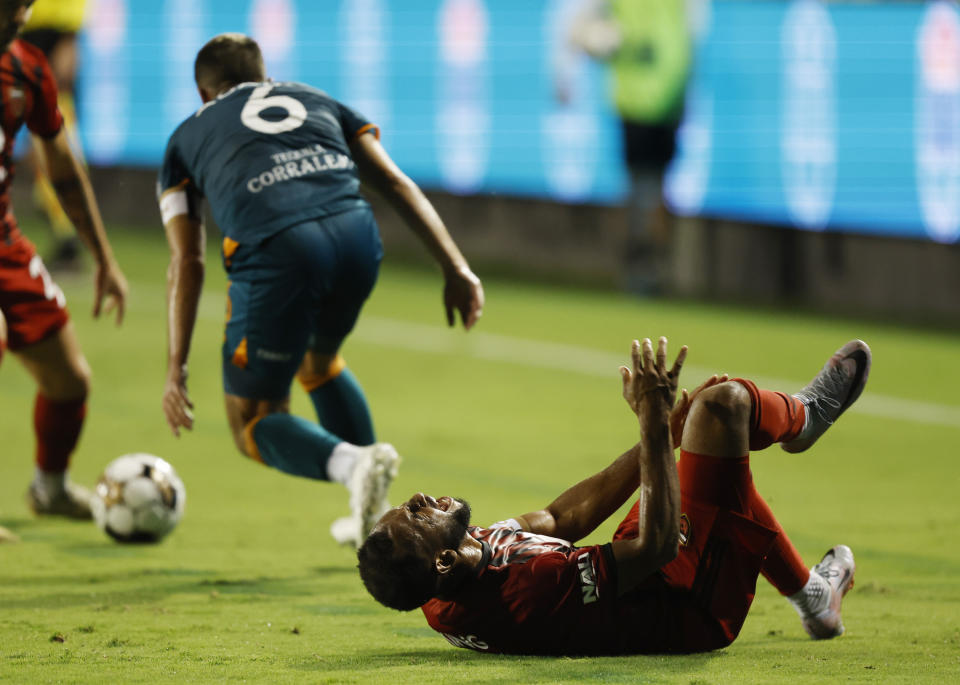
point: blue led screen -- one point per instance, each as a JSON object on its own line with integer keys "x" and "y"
{"x": 841, "y": 116}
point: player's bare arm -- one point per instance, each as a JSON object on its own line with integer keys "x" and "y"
{"x": 653, "y": 387}
{"x": 186, "y": 237}
{"x": 578, "y": 511}
{"x": 463, "y": 291}
{"x": 76, "y": 196}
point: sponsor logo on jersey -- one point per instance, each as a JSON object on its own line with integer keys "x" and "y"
{"x": 466, "y": 641}
{"x": 293, "y": 164}
{"x": 686, "y": 530}
{"x": 588, "y": 578}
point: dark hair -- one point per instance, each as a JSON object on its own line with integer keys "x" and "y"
{"x": 228, "y": 59}
{"x": 400, "y": 581}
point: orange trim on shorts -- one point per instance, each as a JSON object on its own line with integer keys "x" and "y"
{"x": 240, "y": 354}
{"x": 252, "y": 450}
{"x": 229, "y": 248}
{"x": 365, "y": 129}
{"x": 311, "y": 382}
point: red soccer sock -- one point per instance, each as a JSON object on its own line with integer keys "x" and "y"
{"x": 775, "y": 416}
{"x": 57, "y": 426}
{"x": 727, "y": 482}
{"x": 783, "y": 567}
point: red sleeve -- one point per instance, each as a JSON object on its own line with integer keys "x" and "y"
{"x": 44, "y": 118}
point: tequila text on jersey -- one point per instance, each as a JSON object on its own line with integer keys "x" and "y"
{"x": 468, "y": 641}
{"x": 295, "y": 169}
{"x": 588, "y": 578}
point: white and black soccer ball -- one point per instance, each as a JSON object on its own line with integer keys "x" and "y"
{"x": 139, "y": 498}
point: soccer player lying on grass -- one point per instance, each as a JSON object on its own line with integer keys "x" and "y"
{"x": 681, "y": 571}
{"x": 280, "y": 164}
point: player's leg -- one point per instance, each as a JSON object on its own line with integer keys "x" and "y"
{"x": 338, "y": 293}
{"x": 62, "y": 375}
{"x": 5, "y": 535}
{"x": 716, "y": 427}
{"x": 267, "y": 341}
{"x": 337, "y": 397}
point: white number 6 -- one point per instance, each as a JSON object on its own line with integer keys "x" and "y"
{"x": 259, "y": 101}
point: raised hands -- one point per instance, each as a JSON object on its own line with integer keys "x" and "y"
{"x": 649, "y": 386}
{"x": 678, "y": 417}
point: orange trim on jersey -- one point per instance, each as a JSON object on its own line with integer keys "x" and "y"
{"x": 312, "y": 381}
{"x": 252, "y": 450}
{"x": 229, "y": 249}
{"x": 240, "y": 354}
{"x": 367, "y": 128}
{"x": 180, "y": 186}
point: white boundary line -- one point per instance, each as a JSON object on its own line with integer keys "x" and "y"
{"x": 591, "y": 362}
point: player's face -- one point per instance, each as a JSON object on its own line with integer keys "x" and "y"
{"x": 428, "y": 525}
{"x": 13, "y": 15}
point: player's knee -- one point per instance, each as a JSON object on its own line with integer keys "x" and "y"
{"x": 240, "y": 439}
{"x": 70, "y": 382}
{"x": 728, "y": 401}
{"x": 319, "y": 369}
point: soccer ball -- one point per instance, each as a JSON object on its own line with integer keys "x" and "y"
{"x": 139, "y": 498}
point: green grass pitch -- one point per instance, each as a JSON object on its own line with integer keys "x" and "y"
{"x": 251, "y": 587}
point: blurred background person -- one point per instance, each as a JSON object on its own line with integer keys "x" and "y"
{"x": 54, "y": 27}
{"x": 648, "y": 47}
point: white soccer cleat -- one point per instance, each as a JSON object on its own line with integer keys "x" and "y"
{"x": 374, "y": 471}
{"x": 8, "y": 536}
{"x": 837, "y": 568}
{"x": 72, "y": 502}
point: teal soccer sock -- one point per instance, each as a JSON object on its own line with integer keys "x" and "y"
{"x": 294, "y": 445}
{"x": 342, "y": 409}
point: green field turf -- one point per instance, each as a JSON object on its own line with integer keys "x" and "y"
{"x": 251, "y": 587}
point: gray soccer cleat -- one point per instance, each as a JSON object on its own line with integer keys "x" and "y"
{"x": 374, "y": 471}
{"x": 837, "y": 568}
{"x": 831, "y": 392}
{"x": 73, "y": 502}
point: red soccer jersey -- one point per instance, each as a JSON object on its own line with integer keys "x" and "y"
{"x": 28, "y": 94}
{"x": 540, "y": 595}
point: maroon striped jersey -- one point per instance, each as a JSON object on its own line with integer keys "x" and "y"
{"x": 536, "y": 594}
{"x": 28, "y": 94}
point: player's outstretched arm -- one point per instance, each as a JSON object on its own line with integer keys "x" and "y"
{"x": 579, "y": 510}
{"x": 187, "y": 240}
{"x": 75, "y": 193}
{"x": 462, "y": 291}
{"x": 654, "y": 388}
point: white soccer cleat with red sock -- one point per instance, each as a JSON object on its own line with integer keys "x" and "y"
{"x": 836, "y": 568}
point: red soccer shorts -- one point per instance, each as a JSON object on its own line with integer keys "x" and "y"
{"x": 32, "y": 304}
{"x": 713, "y": 579}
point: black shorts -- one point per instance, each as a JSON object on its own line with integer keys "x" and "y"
{"x": 649, "y": 147}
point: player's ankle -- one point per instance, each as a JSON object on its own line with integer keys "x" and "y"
{"x": 813, "y": 597}
{"x": 341, "y": 462}
{"x": 50, "y": 484}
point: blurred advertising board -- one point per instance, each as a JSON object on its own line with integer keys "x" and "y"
{"x": 818, "y": 115}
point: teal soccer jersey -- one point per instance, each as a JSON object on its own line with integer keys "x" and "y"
{"x": 266, "y": 156}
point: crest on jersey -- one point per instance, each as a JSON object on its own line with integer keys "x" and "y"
{"x": 686, "y": 530}
{"x": 14, "y": 102}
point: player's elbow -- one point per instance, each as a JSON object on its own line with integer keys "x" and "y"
{"x": 661, "y": 546}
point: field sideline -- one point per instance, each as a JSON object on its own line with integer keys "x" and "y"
{"x": 252, "y": 588}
